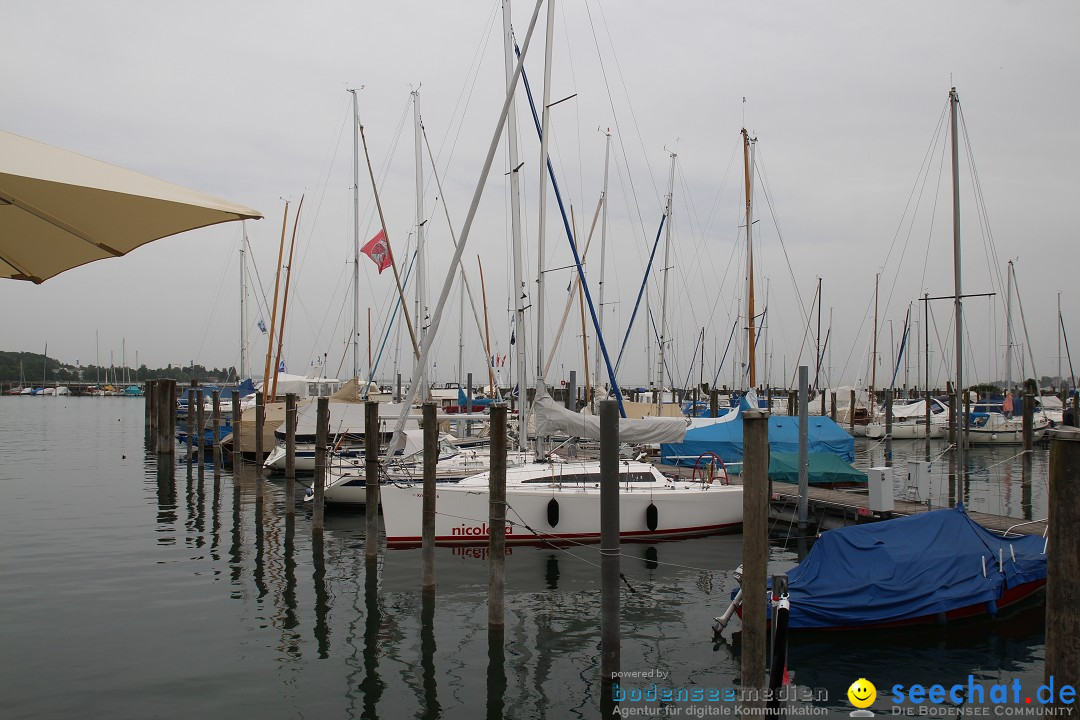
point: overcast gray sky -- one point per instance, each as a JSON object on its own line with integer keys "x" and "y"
{"x": 248, "y": 101}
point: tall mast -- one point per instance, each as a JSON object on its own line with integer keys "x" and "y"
{"x": 421, "y": 259}
{"x": 356, "y": 236}
{"x": 1059, "y": 343}
{"x": 273, "y": 309}
{"x": 461, "y": 332}
{"x": 515, "y": 228}
{"x": 603, "y": 254}
{"x": 664, "y": 291}
{"x": 1008, "y": 328}
{"x": 749, "y": 144}
{"x": 545, "y": 137}
{"x": 817, "y": 360}
{"x": 285, "y": 301}
{"x": 958, "y": 301}
{"x": 245, "y": 360}
{"x": 873, "y": 352}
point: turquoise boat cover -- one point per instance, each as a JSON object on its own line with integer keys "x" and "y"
{"x": 726, "y": 440}
{"x": 825, "y": 469}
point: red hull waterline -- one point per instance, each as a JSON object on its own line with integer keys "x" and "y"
{"x": 1009, "y": 598}
{"x": 555, "y": 538}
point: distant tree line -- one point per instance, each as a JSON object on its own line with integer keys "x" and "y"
{"x": 34, "y": 369}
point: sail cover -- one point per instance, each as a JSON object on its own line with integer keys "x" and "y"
{"x": 553, "y": 419}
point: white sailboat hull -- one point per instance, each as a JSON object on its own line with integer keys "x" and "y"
{"x": 682, "y": 509}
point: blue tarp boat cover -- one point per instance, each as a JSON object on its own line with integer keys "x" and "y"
{"x": 824, "y": 469}
{"x": 243, "y": 389}
{"x": 908, "y": 567}
{"x": 463, "y": 400}
{"x": 726, "y": 439}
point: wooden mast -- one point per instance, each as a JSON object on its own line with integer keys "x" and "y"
{"x": 273, "y": 309}
{"x": 487, "y": 331}
{"x": 285, "y": 300}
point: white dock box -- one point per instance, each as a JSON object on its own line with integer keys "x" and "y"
{"x": 879, "y": 484}
{"x": 918, "y": 480}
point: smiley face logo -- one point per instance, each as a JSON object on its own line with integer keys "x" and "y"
{"x": 862, "y": 693}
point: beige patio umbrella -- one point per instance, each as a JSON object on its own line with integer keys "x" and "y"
{"x": 60, "y": 210}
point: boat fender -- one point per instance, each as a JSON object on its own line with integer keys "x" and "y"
{"x": 652, "y": 517}
{"x": 991, "y": 608}
{"x": 941, "y": 619}
{"x": 553, "y": 512}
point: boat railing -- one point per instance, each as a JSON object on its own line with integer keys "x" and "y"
{"x": 1009, "y": 530}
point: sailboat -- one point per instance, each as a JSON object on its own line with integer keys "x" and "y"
{"x": 551, "y": 500}
{"x": 991, "y": 427}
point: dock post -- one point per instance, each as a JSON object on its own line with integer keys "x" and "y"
{"x": 427, "y": 539}
{"x": 832, "y": 408}
{"x": 804, "y": 442}
{"x": 371, "y": 477}
{"x": 1029, "y": 421}
{"x": 190, "y": 417}
{"x": 792, "y": 403}
{"x": 888, "y": 425}
{"x": 260, "y": 419}
{"x": 1063, "y": 561}
{"x": 851, "y": 414}
{"x": 755, "y": 478}
{"x": 610, "y": 649}
{"x": 170, "y": 415}
{"x": 163, "y": 406}
{"x": 322, "y": 429}
{"x": 397, "y": 397}
{"x": 822, "y": 402}
{"x": 216, "y": 400}
{"x": 714, "y": 403}
{"x": 235, "y": 423}
{"x": 148, "y": 420}
{"x": 497, "y": 519}
{"x": 290, "y": 454}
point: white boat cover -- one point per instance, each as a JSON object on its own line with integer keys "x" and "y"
{"x": 551, "y": 418}
{"x": 345, "y": 417}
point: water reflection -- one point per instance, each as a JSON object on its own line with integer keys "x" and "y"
{"x": 322, "y": 597}
{"x": 215, "y": 521}
{"x": 989, "y": 649}
{"x": 166, "y": 502}
{"x": 406, "y": 653}
{"x": 372, "y": 685}
{"x": 290, "y": 620}
{"x": 552, "y": 572}
{"x": 427, "y": 654}
{"x": 496, "y": 672}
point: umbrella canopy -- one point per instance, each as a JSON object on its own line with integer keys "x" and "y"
{"x": 60, "y": 210}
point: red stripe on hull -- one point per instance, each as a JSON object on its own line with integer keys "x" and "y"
{"x": 547, "y": 538}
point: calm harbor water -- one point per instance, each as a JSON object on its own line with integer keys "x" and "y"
{"x": 135, "y": 590}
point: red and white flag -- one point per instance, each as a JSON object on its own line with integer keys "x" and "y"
{"x": 378, "y": 249}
